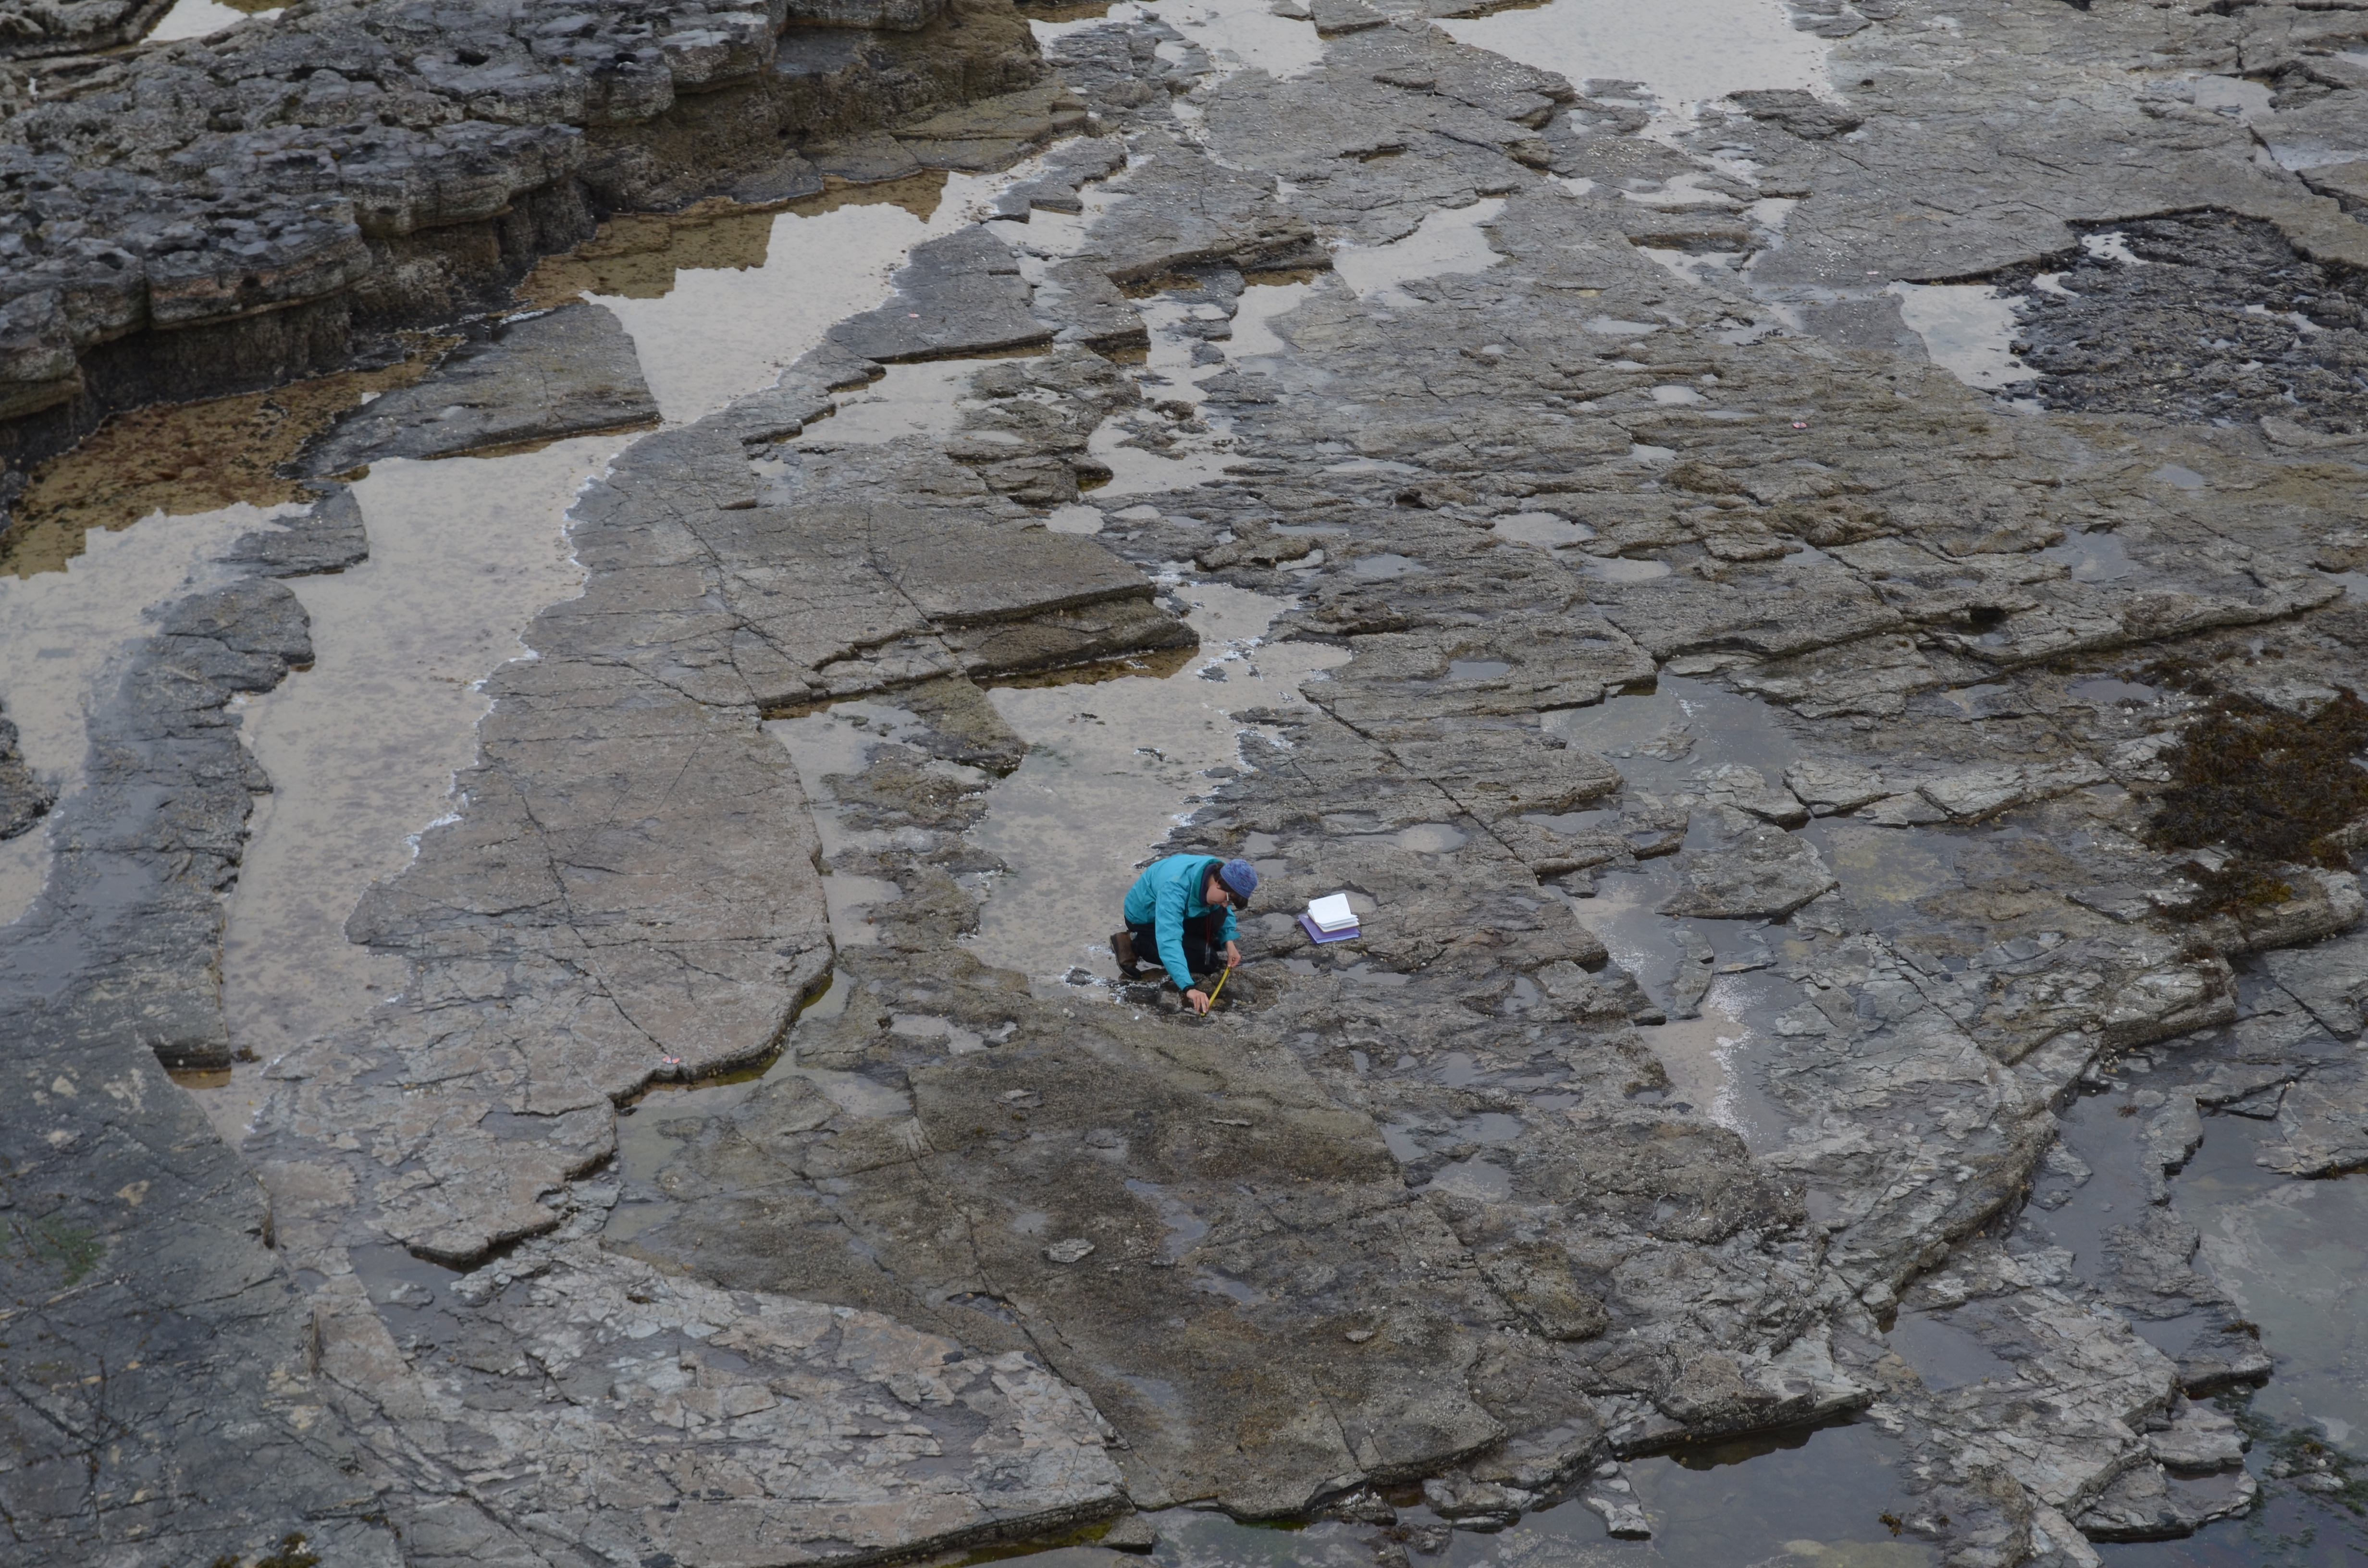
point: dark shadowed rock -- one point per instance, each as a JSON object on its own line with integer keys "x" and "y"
{"x": 24, "y": 799}
{"x": 308, "y": 186}
{"x": 160, "y": 1390}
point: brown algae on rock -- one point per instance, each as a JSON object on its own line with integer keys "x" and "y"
{"x": 180, "y": 459}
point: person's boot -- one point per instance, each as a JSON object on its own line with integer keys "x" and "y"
{"x": 1122, "y": 948}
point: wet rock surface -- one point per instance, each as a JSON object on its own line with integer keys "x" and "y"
{"x": 123, "y": 941}
{"x": 756, "y": 1425}
{"x": 1786, "y": 991}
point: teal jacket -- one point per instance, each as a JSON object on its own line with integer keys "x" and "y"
{"x": 1167, "y": 895}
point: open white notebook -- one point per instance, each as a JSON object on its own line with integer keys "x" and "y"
{"x": 1331, "y": 914}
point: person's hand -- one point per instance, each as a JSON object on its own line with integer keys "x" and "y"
{"x": 1199, "y": 999}
{"x": 1233, "y": 955}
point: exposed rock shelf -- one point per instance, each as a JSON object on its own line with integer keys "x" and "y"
{"x": 1750, "y": 757}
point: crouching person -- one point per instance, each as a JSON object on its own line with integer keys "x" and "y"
{"x": 1182, "y": 908}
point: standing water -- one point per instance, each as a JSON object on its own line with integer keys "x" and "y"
{"x": 64, "y": 637}
{"x": 1681, "y": 51}
{"x": 361, "y": 749}
{"x": 464, "y": 551}
{"x": 1110, "y": 769}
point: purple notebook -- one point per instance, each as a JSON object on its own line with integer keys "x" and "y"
{"x": 1317, "y": 933}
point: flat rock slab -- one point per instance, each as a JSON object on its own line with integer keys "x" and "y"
{"x": 570, "y": 372}
{"x": 763, "y": 1429}
{"x": 864, "y": 159}
{"x": 1765, "y": 874}
{"x": 959, "y": 295}
{"x": 2330, "y": 979}
{"x": 2322, "y": 1127}
{"x": 992, "y": 132}
{"x": 169, "y": 1400}
{"x": 1220, "y": 1350}
{"x": 1333, "y": 18}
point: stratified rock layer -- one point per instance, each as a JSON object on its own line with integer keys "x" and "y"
{"x": 267, "y": 202}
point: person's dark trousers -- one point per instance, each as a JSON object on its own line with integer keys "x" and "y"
{"x": 1205, "y": 944}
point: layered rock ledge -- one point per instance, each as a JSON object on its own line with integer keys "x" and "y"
{"x": 282, "y": 197}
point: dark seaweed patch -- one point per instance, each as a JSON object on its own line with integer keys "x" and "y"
{"x": 2224, "y": 322}
{"x": 2268, "y": 787}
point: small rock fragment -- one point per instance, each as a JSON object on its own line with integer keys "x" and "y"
{"x": 1132, "y": 1533}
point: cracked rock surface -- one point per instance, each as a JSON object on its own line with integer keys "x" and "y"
{"x": 1778, "y": 997}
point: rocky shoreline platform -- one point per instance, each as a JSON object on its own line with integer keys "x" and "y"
{"x": 1814, "y": 602}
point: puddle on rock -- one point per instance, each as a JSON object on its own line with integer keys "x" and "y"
{"x": 638, "y": 255}
{"x": 721, "y": 332}
{"x": 1237, "y": 35}
{"x": 1810, "y": 1497}
{"x": 1682, "y": 51}
{"x": 202, "y": 19}
{"x": 1547, "y": 530}
{"x": 1658, "y": 742}
{"x": 837, "y": 741}
{"x": 2294, "y": 1256}
{"x": 2288, "y": 1253}
{"x": 2107, "y": 691}
{"x": 1173, "y": 372}
{"x": 2095, "y": 557}
{"x": 1620, "y": 569}
{"x": 1968, "y": 330}
{"x": 1886, "y": 872}
{"x": 2234, "y": 96}
{"x": 1945, "y": 1354}
{"x": 1448, "y": 241}
{"x": 464, "y": 551}
{"x": 1713, "y": 1060}
{"x": 1112, "y": 767}
{"x": 180, "y": 459}
{"x": 361, "y": 748}
{"x": 1198, "y": 327}
{"x": 908, "y": 402}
